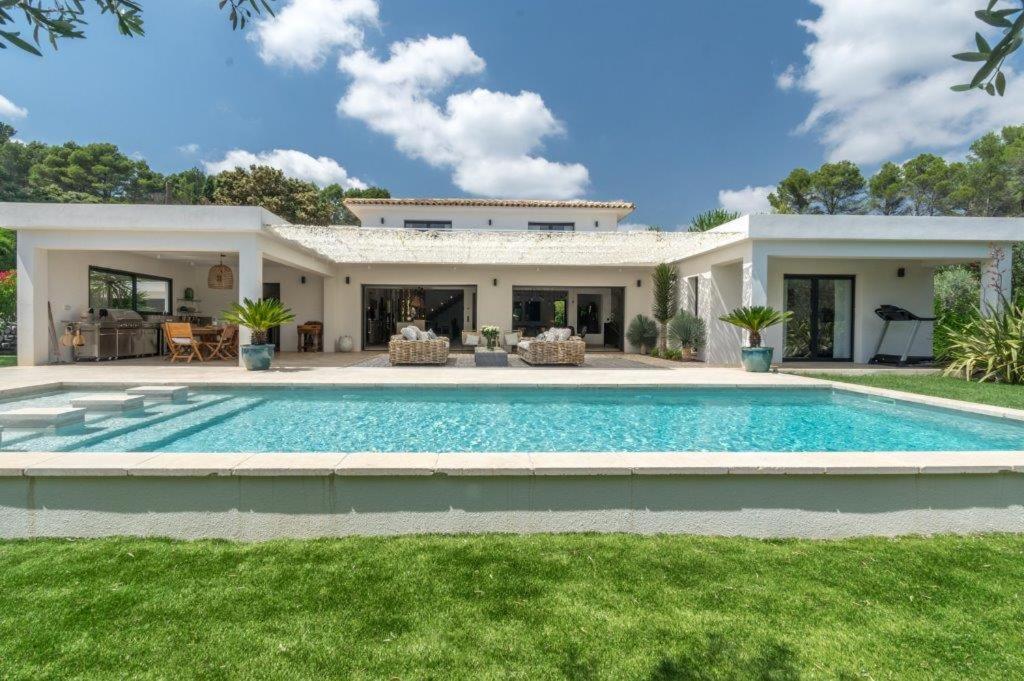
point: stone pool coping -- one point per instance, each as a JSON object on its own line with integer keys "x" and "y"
{"x": 378, "y": 464}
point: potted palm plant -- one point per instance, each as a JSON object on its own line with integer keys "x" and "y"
{"x": 642, "y": 333}
{"x": 754, "y": 320}
{"x": 259, "y": 317}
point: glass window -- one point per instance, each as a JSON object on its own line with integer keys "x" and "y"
{"x": 552, "y": 226}
{"x": 428, "y": 224}
{"x": 129, "y": 291}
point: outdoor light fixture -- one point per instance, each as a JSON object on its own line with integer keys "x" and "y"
{"x": 489, "y": 223}
{"x": 382, "y": 221}
{"x": 348, "y": 280}
{"x": 901, "y": 272}
{"x": 303, "y": 278}
{"x": 495, "y": 282}
{"x": 220, "y": 276}
{"x": 595, "y": 223}
{"x": 639, "y": 283}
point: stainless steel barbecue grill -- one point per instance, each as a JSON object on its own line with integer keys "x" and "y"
{"x": 114, "y": 334}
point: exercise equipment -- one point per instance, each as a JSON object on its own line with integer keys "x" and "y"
{"x": 892, "y": 313}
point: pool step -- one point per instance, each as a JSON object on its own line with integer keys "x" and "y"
{"x": 109, "y": 402}
{"x": 41, "y": 417}
{"x": 174, "y": 393}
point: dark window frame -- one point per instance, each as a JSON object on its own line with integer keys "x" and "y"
{"x": 814, "y": 278}
{"x": 424, "y": 225}
{"x": 135, "y": 276}
{"x": 551, "y": 226}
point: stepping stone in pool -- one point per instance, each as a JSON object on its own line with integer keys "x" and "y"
{"x": 109, "y": 402}
{"x": 174, "y": 393}
{"x": 41, "y": 417}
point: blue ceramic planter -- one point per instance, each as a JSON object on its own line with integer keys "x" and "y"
{"x": 757, "y": 359}
{"x": 257, "y": 357}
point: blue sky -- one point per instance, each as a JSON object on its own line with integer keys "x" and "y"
{"x": 663, "y": 103}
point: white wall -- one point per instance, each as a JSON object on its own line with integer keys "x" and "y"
{"x": 720, "y": 275}
{"x": 469, "y": 217}
{"x": 306, "y": 301}
{"x": 343, "y": 308}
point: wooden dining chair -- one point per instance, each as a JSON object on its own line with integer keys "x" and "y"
{"x": 181, "y": 343}
{"x": 224, "y": 346}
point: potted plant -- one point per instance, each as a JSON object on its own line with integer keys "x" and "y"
{"x": 491, "y": 334}
{"x": 688, "y": 333}
{"x": 259, "y": 317}
{"x": 642, "y": 333}
{"x": 754, "y": 320}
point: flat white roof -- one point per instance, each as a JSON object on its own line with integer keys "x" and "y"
{"x": 877, "y": 227}
{"x": 120, "y": 216}
{"x": 470, "y": 247}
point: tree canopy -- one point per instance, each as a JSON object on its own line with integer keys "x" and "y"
{"x": 833, "y": 188}
{"x": 709, "y": 219}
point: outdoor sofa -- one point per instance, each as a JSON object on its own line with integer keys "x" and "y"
{"x": 423, "y": 350}
{"x": 555, "y": 346}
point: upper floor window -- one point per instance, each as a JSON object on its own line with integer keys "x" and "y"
{"x": 553, "y": 226}
{"x": 428, "y": 224}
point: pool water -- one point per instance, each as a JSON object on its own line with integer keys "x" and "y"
{"x": 520, "y": 420}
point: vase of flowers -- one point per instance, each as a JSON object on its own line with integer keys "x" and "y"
{"x": 491, "y": 334}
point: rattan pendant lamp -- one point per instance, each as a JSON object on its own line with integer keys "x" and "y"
{"x": 221, "y": 276}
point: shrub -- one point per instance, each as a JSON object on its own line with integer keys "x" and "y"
{"x": 687, "y": 330}
{"x": 988, "y": 348}
{"x": 656, "y": 352}
{"x": 673, "y": 353}
{"x": 8, "y": 295}
{"x": 642, "y": 332}
{"x": 666, "y": 297}
{"x": 957, "y": 291}
{"x": 755, "y": 319}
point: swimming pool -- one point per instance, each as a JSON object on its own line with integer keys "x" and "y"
{"x": 520, "y": 420}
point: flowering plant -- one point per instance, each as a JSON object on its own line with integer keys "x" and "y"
{"x": 8, "y": 294}
{"x": 491, "y": 334}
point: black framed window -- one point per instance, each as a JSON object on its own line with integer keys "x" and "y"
{"x": 428, "y": 224}
{"x": 143, "y": 293}
{"x": 552, "y": 226}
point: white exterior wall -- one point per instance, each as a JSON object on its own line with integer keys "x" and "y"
{"x": 344, "y": 310}
{"x": 720, "y": 289}
{"x": 469, "y": 217}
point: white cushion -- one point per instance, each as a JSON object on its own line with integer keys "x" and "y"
{"x": 564, "y": 334}
{"x": 472, "y": 339}
{"x": 525, "y": 345}
{"x": 511, "y": 338}
{"x": 431, "y": 335}
{"x": 181, "y": 340}
{"x": 411, "y": 333}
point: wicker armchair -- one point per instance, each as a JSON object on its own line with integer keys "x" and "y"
{"x": 404, "y": 351}
{"x": 572, "y": 351}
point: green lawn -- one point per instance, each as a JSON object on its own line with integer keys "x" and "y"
{"x": 539, "y": 607}
{"x": 996, "y": 394}
{"x": 8, "y": 360}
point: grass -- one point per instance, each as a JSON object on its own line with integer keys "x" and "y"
{"x": 536, "y": 607}
{"x": 8, "y": 360}
{"x": 997, "y": 394}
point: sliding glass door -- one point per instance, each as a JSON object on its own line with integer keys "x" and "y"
{"x": 821, "y": 328}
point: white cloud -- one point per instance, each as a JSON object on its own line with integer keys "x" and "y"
{"x": 189, "y": 149}
{"x": 10, "y": 110}
{"x": 306, "y": 32}
{"x": 319, "y": 170}
{"x": 880, "y": 73}
{"x": 787, "y": 79}
{"x": 488, "y": 139}
{"x": 747, "y": 201}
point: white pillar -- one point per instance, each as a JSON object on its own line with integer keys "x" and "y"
{"x": 33, "y": 294}
{"x": 250, "y": 282}
{"x": 996, "y": 279}
{"x": 755, "y": 293}
{"x": 331, "y": 316}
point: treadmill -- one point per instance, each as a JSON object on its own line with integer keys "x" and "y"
{"x": 889, "y": 314}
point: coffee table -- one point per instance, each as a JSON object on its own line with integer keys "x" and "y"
{"x": 484, "y": 357}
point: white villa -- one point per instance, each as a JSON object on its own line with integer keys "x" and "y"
{"x": 456, "y": 264}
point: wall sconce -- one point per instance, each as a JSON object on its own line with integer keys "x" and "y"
{"x": 382, "y": 221}
{"x": 639, "y": 283}
{"x": 596, "y": 223}
{"x": 489, "y": 222}
{"x": 303, "y": 278}
{"x": 495, "y": 281}
{"x": 901, "y": 272}
{"x": 348, "y": 280}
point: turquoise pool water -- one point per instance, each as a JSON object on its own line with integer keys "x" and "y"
{"x": 521, "y": 420}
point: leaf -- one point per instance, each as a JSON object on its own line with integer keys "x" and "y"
{"x": 962, "y": 88}
{"x": 970, "y": 56}
{"x": 982, "y": 44}
{"x": 984, "y": 72}
{"x": 1000, "y": 83}
{"x": 991, "y": 89}
{"x": 993, "y": 19}
{"x": 13, "y": 39}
